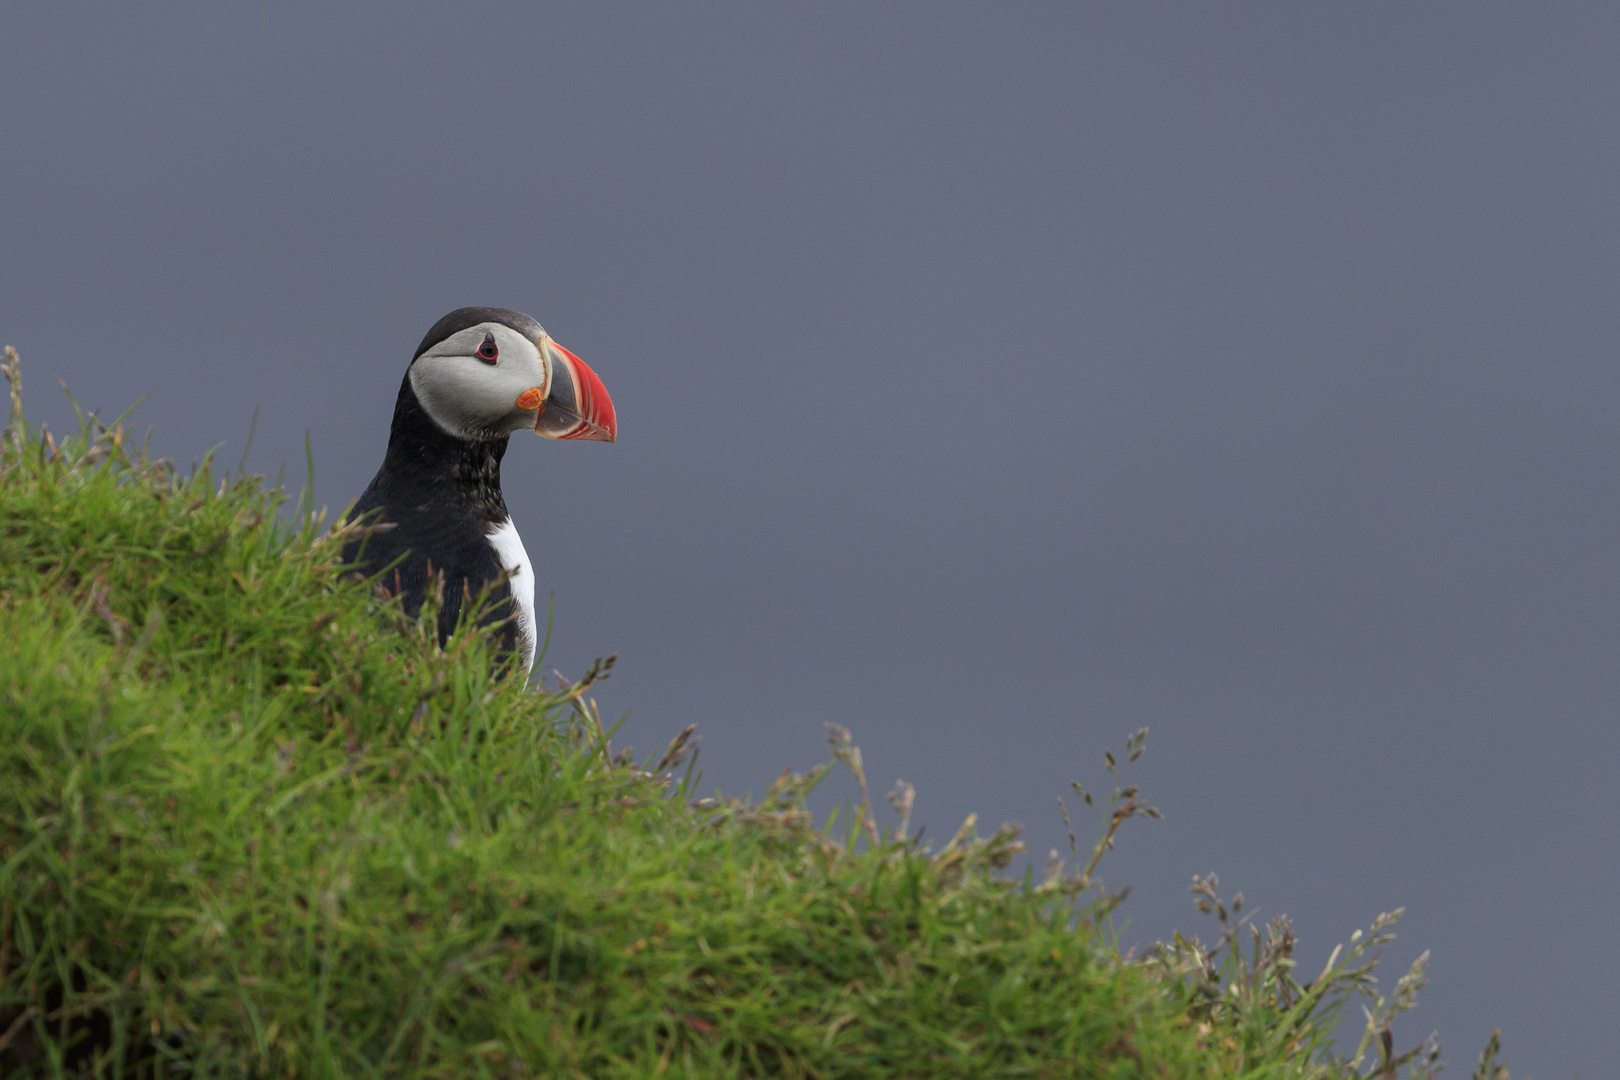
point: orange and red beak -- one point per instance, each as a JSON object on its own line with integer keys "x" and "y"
{"x": 577, "y": 406}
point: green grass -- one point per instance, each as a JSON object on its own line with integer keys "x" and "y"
{"x": 256, "y": 824}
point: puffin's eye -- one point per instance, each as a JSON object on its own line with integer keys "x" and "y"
{"x": 487, "y": 352}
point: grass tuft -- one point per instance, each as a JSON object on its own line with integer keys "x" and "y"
{"x": 256, "y": 823}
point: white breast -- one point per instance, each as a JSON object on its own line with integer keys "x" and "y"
{"x": 509, "y": 550}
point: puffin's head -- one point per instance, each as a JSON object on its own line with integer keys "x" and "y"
{"x": 483, "y": 373}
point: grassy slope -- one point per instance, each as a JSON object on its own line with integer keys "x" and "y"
{"x": 251, "y": 827}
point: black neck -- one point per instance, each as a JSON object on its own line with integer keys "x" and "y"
{"x": 422, "y": 455}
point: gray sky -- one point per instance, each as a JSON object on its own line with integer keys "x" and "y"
{"x": 993, "y": 380}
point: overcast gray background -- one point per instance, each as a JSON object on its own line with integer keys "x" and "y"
{"x": 993, "y": 380}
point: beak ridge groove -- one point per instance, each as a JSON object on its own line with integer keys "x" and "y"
{"x": 578, "y": 406}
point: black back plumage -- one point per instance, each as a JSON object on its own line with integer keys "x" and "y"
{"x": 442, "y": 494}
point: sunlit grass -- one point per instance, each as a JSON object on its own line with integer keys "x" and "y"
{"x": 258, "y": 824}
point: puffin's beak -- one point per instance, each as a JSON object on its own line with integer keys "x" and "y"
{"x": 578, "y": 406}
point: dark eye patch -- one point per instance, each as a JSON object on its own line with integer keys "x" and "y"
{"x": 487, "y": 352}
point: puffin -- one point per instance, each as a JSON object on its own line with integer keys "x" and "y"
{"x": 480, "y": 374}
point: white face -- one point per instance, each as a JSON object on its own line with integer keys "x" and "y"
{"x": 474, "y": 397}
